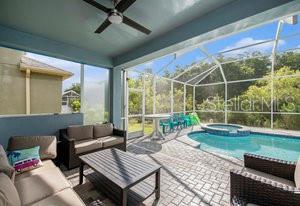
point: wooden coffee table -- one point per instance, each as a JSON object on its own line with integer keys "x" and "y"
{"x": 119, "y": 175}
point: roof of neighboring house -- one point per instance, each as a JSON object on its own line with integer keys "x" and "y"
{"x": 42, "y": 68}
{"x": 71, "y": 93}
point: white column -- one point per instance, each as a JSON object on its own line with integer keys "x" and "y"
{"x": 194, "y": 103}
{"x": 184, "y": 98}
{"x": 154, "y": 94}
{"x": 279, "y": 27}
{"x": 27, "y": 91}
{"x": 81, "y": 87}
{"x": 172, "y": 97}
{"x": 125, "y": 100}
{"x": 144, "y": 104}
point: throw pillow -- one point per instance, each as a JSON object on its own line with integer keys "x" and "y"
{"x": 26, "y": 159}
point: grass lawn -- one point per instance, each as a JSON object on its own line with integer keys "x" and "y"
{"x": 135, "y": 125}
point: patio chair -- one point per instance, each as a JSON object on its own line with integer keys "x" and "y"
{"x": 195, "y": 120}
{"x": 178, "y": 121}
{"x": 186, "y": 120}
{"x": 165, "y": 124}
{"x": 266, "y": 181}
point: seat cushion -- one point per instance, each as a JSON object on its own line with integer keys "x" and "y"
{"x": 65, "y": 197}
{"x": 87, "y": 145}
{"x": 270, "y": 177}
{"x": 8, "y": 193}
{"x": 47, "y": 164}
{"x": 103, "y": 130}
{"x": 80, "y": 132}
{"x": 111, "y": 140}
{"x": 47, "y": 145}
{"x": 5, "y": 167}
{"x": 297, "y": 174}
{"x": 40, "y": 186}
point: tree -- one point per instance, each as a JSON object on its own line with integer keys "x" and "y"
{"x": 75, "y": 87}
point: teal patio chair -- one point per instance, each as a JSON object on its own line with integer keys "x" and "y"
{"x": 165, "y": 124}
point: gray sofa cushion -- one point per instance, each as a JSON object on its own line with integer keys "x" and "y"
{"x": 8, "y": 193}
{"x": 5, "y": 167}
{"x": 84, "y": 146}
{"x": 111, "y": 141}
{"x": 80, "y": 132}
{"x": 47, "y": 145}
{"x": 103, "y": 130}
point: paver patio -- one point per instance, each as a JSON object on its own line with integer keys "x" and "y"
{"x": 189, "y": 176}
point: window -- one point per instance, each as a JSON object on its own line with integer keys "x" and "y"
{"x": 42, "y": 84}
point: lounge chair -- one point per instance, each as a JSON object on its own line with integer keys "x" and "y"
{"x": 266, "y": 181}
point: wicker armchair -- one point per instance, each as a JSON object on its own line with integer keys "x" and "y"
{"x": 264, "y": 181}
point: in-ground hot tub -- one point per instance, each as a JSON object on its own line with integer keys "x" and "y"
{"x": 226, "y": 129}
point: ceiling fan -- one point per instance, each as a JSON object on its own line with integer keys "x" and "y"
{"x": 115, "y": 15}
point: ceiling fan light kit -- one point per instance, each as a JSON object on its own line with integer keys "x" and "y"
{"x": 115, "y": 15}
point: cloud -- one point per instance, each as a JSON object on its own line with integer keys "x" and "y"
{"x": 263, "y": 48}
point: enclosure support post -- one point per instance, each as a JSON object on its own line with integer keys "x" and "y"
{"x": 223, "y": 76}
{"x": 154, "y": 94}
{"x": 225, "y": 104}
{"x": 126, "y": 99}
{"x": 143, "y": 104}
{"x": 172, "y": 95}
{"x": 81, "y": 87}
{"x": 279, "y": 27}
{"x": 184, "y": 98}
{"x": 194, "y": 92}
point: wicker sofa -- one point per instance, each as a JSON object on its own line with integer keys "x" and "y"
{"x": 77, "y": 140}
{"x": 45, "y": 185}
{"x": 266, "y": 181}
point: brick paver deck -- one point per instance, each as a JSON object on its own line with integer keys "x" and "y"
{"x": 189, "y": 176}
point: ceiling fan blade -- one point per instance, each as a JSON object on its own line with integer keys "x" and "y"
{"x": 135, "y": 25}
{"x": 103, "y": 26}
{"x": 124, "y": 4}
{"x": 97, "y": 5}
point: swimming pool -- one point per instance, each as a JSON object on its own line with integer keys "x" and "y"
{"x": 275, "y": 146}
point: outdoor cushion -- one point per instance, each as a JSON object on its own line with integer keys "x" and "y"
{"x": 47, "y": 145}
{"x": 25, "y": 159}
{"x": 111, "y": 140}
{"x": 5, "y": 167}
{"x": 40, "y": 186}
{"x": 270, "y": 177}
{"x": 47, "y": 164}
{"x": 297, "y": 174}
{"x": 87, "y": 145}
{"x": 80, "y": 132}
{"x": 103, "y": 130}
{"x": 64, "y": 197}
{"x": 8, "y": 193}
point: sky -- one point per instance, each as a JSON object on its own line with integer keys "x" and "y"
{"x": 252, "y": 36}
{"x": 186, "y": 57}
{"x": 92, "y": 74}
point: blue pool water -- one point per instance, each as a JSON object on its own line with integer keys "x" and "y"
{"x": 261, "y": 144}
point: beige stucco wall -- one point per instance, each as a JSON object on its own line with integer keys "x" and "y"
{"x": 45, "y": 93}
{"x": 12, "y": 90}
{"x": 12, "y": 83}
{"x": 45, "y": 90}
